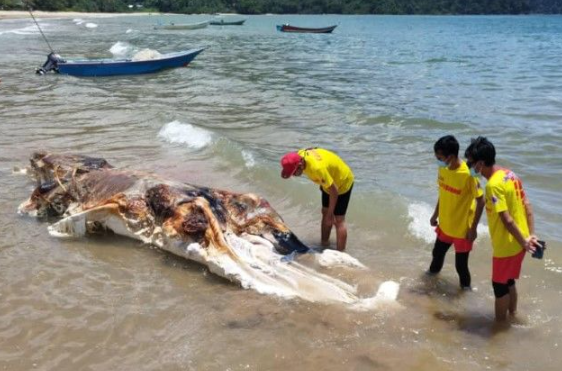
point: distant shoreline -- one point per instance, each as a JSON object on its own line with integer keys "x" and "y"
{"x": 19, "y": 14}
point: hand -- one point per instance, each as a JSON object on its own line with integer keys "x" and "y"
{"x": 433, "y": 221}
{"x": 530, "y": 243}
{"x": 471, "y": 235}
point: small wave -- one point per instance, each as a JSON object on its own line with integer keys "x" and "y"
{"x": 444, "y": 60}
{"x": 91, "y": 25}
{"x": 129, "y": 30}
{"x": 78, "y": 21}
{"x": 29, "y": 30}
{"x": 249, "y": 159}
{"x": 386, "y": 296}
{"x": 419, "y": 227}
{"x": 177, "y": 132}
{"x": 436, "y": 60}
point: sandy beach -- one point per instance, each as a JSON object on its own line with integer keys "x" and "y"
{"x": 15, "y": 14}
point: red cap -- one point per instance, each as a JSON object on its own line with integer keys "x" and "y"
{"x": 290, "y": 162}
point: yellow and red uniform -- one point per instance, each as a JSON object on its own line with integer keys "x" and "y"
{"x": 457, "y": 193}
{"x": 504, "y": 192}
{"x": 325, "y": 168}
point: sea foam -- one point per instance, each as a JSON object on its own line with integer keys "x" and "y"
{"x": 29, "y": 30}
{"x": 249, "y": 159}
{"x": 419, "y": 227}
{"x": 177, "y": 132}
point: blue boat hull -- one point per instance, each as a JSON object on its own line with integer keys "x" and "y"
{"x": 110, "y": 67}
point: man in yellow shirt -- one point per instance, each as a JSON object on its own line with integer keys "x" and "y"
{"x": 510, "y": 220}
{"x": 335, "y": 179}
{"x": 456, "y": 214}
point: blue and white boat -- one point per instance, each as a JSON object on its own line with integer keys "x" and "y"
{"x": 115, "y": 67}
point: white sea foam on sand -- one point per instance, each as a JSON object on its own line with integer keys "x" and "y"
{"x": 177, "y": 132}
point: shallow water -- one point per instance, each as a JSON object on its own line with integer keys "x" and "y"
{"x": 380, "y": 91}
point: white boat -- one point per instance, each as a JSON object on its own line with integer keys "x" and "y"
{"x": 182, "y": 26}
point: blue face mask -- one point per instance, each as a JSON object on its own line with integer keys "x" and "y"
{"x": 473, "y": 173}
{"x": 441, "y": 163}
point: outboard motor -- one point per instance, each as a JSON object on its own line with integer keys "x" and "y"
{"x": 51, "y": 64}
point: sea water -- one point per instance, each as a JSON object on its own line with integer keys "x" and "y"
{"x": 379, "y": 91}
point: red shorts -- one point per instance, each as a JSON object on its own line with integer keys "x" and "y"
{"x": 509, "y": 268}
{"x": 461, "y": 244}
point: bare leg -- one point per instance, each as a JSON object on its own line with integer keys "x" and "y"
{"x": 326, "y": 229}
{"x": 512, "y": 300}
{"x": 341, "y": 232}
{"x": 502, "y": 306}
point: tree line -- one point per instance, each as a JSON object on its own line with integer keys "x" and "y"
{"x": 297, "y": 6}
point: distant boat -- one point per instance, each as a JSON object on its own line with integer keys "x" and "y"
{"x": 288, "y": 28}
{"x": 231, "y": 23}
{"x": 114, "y": 67}
{"x": 182, "y": 26}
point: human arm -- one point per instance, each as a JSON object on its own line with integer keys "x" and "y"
{"x": 499, "y": 205}
{"x": 530, "y": 216}
{"x": 472, "y": 233}
{"x": 328, "y": 217}
{"x": 435, "y": 216}
{"x": 527, "y": 243}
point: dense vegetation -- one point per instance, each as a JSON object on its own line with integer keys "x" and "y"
{"x": 299, "y": 6}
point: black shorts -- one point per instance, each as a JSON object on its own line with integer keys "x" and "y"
{"x": 341, "y": 203}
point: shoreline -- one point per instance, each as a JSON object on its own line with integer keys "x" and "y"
{"x": 21, "y": 14}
